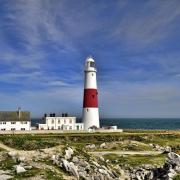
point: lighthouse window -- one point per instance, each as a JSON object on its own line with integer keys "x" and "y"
{"x": 87, "y": 110}
{"x": 92, "y": 64}
{"x": 92, "y": 74}
{"x": 93, "y": 96}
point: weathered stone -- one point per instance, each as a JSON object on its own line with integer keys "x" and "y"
{"x": 102, "y": 171}
{"x": 167, "y": 149}
{"x": 90, "y": 146}
{"x": 103, "y": 145}
{"x": 21, "y": 158}
{"x": 5, "y": 177}
{"x": 69, "y": 152}
{"x": 173, "y": 159}
{"x": 12, "y": 153}
{"x": 75, "y": 159}
{"x": 70, "y": 167}
{"x": 55, "y": 159}
{"x": 19, "y": 169}
{"x": 101, "y": 158}
{"x": 27, "y": 167}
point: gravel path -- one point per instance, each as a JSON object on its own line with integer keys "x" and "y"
{"x": 101, "y": 153}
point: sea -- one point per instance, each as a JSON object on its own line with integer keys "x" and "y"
{"x": 135, "y": 123}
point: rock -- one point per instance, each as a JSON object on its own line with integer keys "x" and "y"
{"x": 27, "y": 167}
{"x": 102, "y": 171}
{"x": 83, "y": 163}
{"x": 90, "y": 146}
{"x": 75, "y": 159}
{"x": 5, "y": 177}
{"x": 167, "y": 149}
{"x": 83, "y": 175}
{"x": 12, "y": 153}
{"x": 101, "y": 158}
{"x": 21, "y": 158}
{"x": 151, "y": 145}
{"x": 20, "y": 169}
{"x": 69, "y": 152}
{"x": 70, "y": 167}
{"x": 103, "y": 145}
{"x": 55, "y": 159}
{"x": 173, "y": 159}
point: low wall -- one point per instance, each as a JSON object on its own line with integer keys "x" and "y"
{"x": 59, "y": 131}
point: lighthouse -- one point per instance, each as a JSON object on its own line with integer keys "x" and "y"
{"x": 90, "y": 102}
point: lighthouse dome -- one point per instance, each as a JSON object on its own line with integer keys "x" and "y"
{"x": 89, "y": 59}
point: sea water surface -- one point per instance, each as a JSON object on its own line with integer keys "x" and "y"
{"x": 136, "y": 123}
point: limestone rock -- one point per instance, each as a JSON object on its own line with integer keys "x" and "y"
{"x": 19, "y": 169}
{"x": 90, "y": 146}
{"x": 5, "y": 177}
{"x": 12, "y": 153}
{"x": 103, "y": 145}
{"x": 21, "y": 158}
{"x": 173, "y": 159}
{"x": 69, "y": 152}
{"x": 70, "y": 167}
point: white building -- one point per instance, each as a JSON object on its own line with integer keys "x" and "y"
{"x": 64, "y": 122}
{"x": 15, "y": 120}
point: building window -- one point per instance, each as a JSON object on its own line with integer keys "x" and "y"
{"x": 92, "y": 64}
{"x": 52, "y": 122}
{"x": 59, "y": 127}
{"x": 4, "y": 122}
{"x": 13, "y": 122}
{"x": 3, "y": 129}
{"x": 64, "y": 121}
{"x": 70, "y": 121}
{"x": 13, "y": 129}
{"x": 70, "y": 127}
{"x": 59, "y": 121}
{"x": 52, "y": 128}
{"x": 22, "y": 129}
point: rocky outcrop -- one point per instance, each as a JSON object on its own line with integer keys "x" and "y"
{"x": 81, "y": 168}
{"x": 167, "y": 172}
{"x": 5, "y": 175}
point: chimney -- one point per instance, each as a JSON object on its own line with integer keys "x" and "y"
{"x": 19, "y": 112}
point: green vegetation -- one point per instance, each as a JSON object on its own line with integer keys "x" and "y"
{"x": 27, "y": 142}
{"x": 30, "y": 173}
{"x": 40, "y": 141}
{"x": 177, "y": 177}
{"x": 136, "y": 160}
{"x": 7, "y": 163}
{"x": 51, "y": 175}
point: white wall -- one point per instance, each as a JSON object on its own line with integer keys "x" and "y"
{"x": 19, "y": 125}
{"x": 62, "y": 123}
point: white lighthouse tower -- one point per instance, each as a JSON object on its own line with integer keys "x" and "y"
{"x": 90, "y": 103}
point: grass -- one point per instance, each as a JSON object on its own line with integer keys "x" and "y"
{"x": 30, "y": 173}
{"x": 136, "y": 160}
{"x": 40, "y": 141}
{"x": 177, "y": 177}
{"x": 27, "y": 142}
{"x": 7, "y": 163}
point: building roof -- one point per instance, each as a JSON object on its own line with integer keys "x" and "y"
{"x": 14, "y": 116}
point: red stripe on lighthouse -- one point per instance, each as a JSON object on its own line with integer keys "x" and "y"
{"x": 90, "y": 98}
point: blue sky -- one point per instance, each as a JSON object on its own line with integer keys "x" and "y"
{"x": 136, "y": 45}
